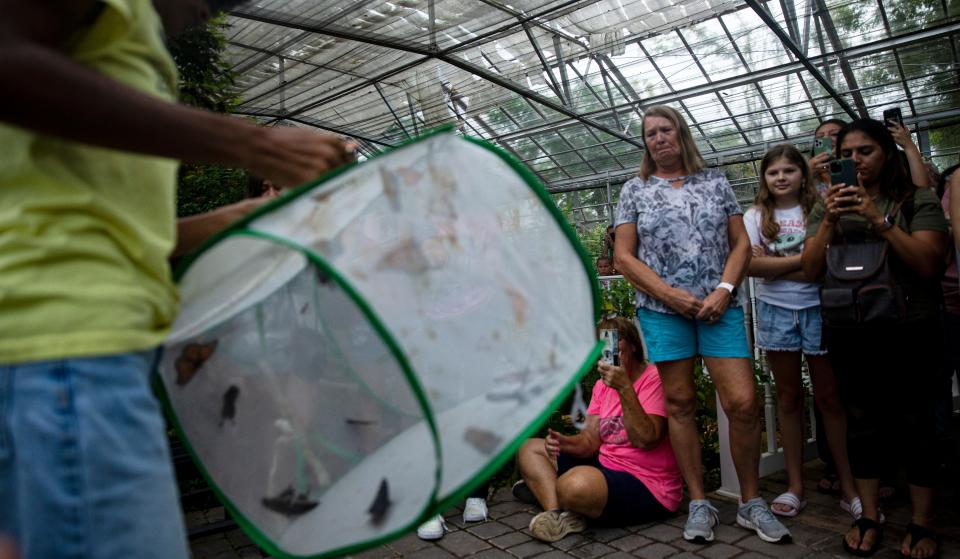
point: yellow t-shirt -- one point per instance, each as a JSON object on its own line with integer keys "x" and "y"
{"x": 85, "y": 232}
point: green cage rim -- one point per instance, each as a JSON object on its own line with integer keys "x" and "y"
{"x": 532, "y": 182}
{"x": 258, "y": 537}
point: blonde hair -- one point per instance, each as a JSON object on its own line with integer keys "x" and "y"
{"x": 692, "y": 160}
{"x": 764, "y": 200}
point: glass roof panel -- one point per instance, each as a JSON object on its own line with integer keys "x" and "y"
{"x": 562, "y": 84}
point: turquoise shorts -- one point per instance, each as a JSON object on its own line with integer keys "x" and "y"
{"x": 670, "y": 336}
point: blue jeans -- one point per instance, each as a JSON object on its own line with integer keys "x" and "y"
{"x": 84, "y": 465}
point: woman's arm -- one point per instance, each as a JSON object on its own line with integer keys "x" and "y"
{"x": 918, "y": 169}
{"x": 584, "y": 444}
{"x": 773, "y": 267}
{"x": 193, "y": 231}
{"x": 734, "y": 270}
{"x": 643, "y": 278}
{"x": 921, "y": 251}
{"x": 644, "y": 431}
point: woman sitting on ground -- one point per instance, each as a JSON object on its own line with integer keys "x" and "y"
{"x": 887, "y": 372}
{"x": 620, "y": 469}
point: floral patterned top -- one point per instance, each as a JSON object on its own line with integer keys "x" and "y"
{"x": 681, "y": 232}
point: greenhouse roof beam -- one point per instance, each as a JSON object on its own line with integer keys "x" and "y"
{"x": 622, "y": 85}
{"x": 896, "y": 58}
{"x": 907, "y": 39}
{"x": 312, "y": 122}
{"x": 390, "y": 108}
{"x": 592, "y": 181}
{"x": 562, "y": 67}
{"x": 757, "y": 88}
{"x": 831, "y": 30}
{"x": 588, "y": 85}
{"x": 606, "y": 87}
{"x": 768, "y": 19}
{"x": 343, "y": 33}
{"x": 546, "y": 67}
{"x": 674, "y": 91}
{"x": 716, "y": 93}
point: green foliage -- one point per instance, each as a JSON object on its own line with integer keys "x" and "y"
{"x": 206, "y": 187}
{"x": 206, "y": 81}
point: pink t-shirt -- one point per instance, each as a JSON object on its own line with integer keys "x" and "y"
{"x": 656, "y": 468}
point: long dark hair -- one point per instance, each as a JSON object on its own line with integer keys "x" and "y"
{"x": 765, "y": 201}
{"x": 895, "y": 182}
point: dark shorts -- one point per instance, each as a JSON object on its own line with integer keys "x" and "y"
{"x": 628, "y": 499}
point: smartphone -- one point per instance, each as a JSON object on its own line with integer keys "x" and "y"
{"x": 611, "y": 346}
{"x": 822, "y": 145}
{"x": 893, "y": 114}
{"x": 843, "y": 171}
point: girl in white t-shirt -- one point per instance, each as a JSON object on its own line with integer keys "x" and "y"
{"x": 788, "y": 319}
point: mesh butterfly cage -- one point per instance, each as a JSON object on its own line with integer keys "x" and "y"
{"x": 364, "y": 351}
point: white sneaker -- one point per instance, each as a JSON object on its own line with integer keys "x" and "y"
{"x": 475, "y": 510}
{"x": 432, "y": 529}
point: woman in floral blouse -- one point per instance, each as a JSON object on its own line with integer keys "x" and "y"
{"x": 681, "y": 242}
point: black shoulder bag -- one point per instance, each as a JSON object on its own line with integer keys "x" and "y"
{"x": 859, "y": 288}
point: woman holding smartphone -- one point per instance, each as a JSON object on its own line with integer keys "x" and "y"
{"x": 620, "y": 469}
{"x": 825, "y": 141}
{"x": 887, "y": 375}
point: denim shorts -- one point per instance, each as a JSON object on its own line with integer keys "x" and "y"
{"x": 782, "y": 329}
{"x": 670, "y": 336}
{"x": 85, "y": 469}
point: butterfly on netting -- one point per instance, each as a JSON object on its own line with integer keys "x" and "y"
{"x": 381, "y": 503}
{"x": 229, "y": 410}
{"x": 290, "y": 502}
{"x": 192, "y": 359}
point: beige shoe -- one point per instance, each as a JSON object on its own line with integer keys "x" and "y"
{"x": 553, "y": 525}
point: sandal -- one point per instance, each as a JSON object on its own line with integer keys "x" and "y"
{"x": 829, "y": 484}
{"x": 788, "y": 499}
{"x": 864, "y": 524}
{"x": 855, "y": 509}
{"x": 917, "y": 533}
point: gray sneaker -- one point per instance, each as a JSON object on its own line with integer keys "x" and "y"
{"x": 756, "y": 515}
{"x": 553, "y": 525}
{"x": 700, "y": 522}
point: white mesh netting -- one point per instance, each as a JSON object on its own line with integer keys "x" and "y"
{"x": 372, "y": 345}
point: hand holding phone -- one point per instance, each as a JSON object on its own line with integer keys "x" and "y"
{"x": 843, "y": 171}
{"x": 891, "y": 116}
{"x": 823, "y": 145}
{"x": 611, "y": 346}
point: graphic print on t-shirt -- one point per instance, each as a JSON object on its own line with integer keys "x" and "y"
{"x": 789, "y": 241}
{"x": 612, "y": 430}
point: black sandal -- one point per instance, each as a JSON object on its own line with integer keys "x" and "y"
{"x": 829, "y": 484}
{"x": 863, "y": 524}
{"x": 918, "y": 533}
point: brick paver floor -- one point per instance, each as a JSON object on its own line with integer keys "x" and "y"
{"x": 816, "y": 535}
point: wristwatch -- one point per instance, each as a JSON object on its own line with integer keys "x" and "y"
{"x": 731, "y": 289}
{"x": 888, "y": 222}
